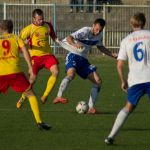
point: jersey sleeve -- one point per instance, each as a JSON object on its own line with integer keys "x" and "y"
{"x": 100, "y": 42}
{"x": 80, "y": 34}
{"x": 122, "y": 52}
{"x": 25, "y": 33}
{"x": 52, "y": 32}
{"x": 20, "y": 43}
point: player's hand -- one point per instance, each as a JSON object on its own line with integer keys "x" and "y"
{"x": 57, "y": 40}
{"x": 124, "y": 86}
{"x": 32, "y": 76}
{"x": 114, "y": 55}
{"x": 78, "y": 45}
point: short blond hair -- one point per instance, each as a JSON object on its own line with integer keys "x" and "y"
{"x": 138, "y": 20}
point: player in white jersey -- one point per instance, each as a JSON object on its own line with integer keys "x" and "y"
{"x": 85, "y": 38}
{"x": 136, "y": 48}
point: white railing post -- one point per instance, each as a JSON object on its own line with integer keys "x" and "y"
{"x": 4, "y": 11}
{"x": 54, "y": 25}
{"x": 33, "y": 1}
{"x": 104, "y": 17}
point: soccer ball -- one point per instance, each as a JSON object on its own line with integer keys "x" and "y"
{"x": 82, "y": 107}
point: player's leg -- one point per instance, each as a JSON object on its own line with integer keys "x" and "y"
{"x": 71, "y": 71}
{"x": 36, "y": 67}
{"x": 50, "y": 63}
{"x": 35, "y": 109}
{"x": 34, "y": 105}
{"x": 19, "y": 83}
{"x": 134, "y": 94}
{"x": 96, "y": 80}
{"x": 51, "y": 82}
{"x": 21, "y": 101}
{"x": 120, "y": 120}
{"x": 63, "y": 86}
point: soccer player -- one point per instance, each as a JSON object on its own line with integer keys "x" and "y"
{"x": 86, "y": 38}
{"x": 136, "y": 49}
{"x": 10, "y": 71}
{"x": 37, "y": 36}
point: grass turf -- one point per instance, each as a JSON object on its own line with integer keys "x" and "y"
{"x": 72, "y": 131}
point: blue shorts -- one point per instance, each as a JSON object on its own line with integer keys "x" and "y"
{"x": 135, "y": 92}
{"x": 81, "y": 64}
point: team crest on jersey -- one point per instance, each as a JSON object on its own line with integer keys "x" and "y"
{"x": 46, "y": 33}
{"x": 37, "y": 34}
{"x": 91, "y": 67}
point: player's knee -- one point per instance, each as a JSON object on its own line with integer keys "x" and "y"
{"x": 71, "y": 75}
{"x": 55, "y": 72}
{"x": 29, "y": 93}
{"x": 99, "y": 82}
{"x": 32, "y": 80}
{"x": 129, "y": 107}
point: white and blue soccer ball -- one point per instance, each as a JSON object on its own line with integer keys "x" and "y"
{"x": 82, "y": 107}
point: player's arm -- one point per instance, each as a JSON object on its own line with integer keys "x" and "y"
{"x": 107, "y": 52}
{"x": 25, "y": 34}
{"x": 79, "y": 34}
{"x": 120, "y": 66}
{"x": 28, "y": 61}
{"x": 71, "y": 41}
{"x": 52, "y": 33}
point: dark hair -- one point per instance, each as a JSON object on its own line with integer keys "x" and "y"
{"x": 6, "y": 25}
{"x": 138, "y": 20}
{"x": 100, "y": 21}
{"x": 37, "y": 12}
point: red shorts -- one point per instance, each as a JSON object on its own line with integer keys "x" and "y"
{"x": 18, "y": 82}
{"x": 46, "y": 61}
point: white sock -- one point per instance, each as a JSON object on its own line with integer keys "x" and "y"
{"x": 120, "y": 120}
{"x": 64, "y": 84}
{"x": 93, "y": 96}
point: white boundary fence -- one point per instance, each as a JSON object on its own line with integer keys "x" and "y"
{"x": 116, "y": 16}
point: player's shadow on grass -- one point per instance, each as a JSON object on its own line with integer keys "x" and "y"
{"x": 136, "y": 129}
{"x": 142, "y": 112}
{"x": 107, "y": 112}
{"x": 116, "y": 112}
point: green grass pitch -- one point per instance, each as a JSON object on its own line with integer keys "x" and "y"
{"x": 72, "y": 131}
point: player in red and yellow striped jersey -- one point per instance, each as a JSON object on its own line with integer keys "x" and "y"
{"x": 10, "y": 71}
{"x": 37, "y": 36}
